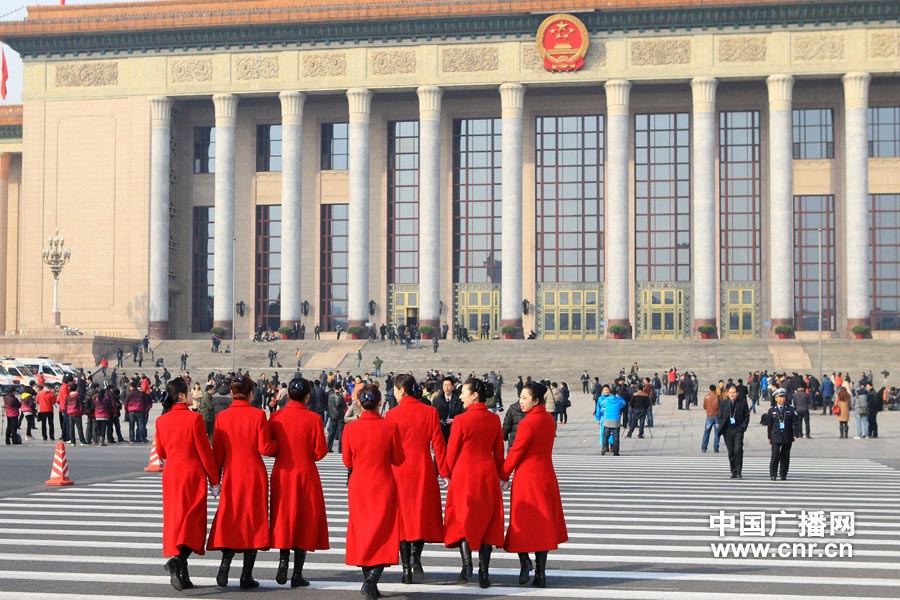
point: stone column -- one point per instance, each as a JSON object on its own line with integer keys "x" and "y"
{"x": 512, "y": 101}
{"x": 360, "y": 101}
{"x": 781, "y": 201}
{"x": 430, "y": 206}
{"x": 703, "y": 182}
{"x": 223, "y": 267}
{"x": 5, "y": 160}
{"x": 160, "y": 160}
{"x": 857, "y": 263}
{"x": 617, "y": 222}
{"x": 291, "y": 200}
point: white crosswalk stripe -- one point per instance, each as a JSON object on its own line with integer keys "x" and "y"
{"x": 639, "y": 529}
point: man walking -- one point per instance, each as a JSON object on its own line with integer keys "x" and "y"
{"x": 780, "y": 422}
{"x": 801, "y": 402}
{"x": 733, "y": 420}
{"x": 377, "y": 364}
{"x": 711, "y": 406}
{"x": 875, "y": 405}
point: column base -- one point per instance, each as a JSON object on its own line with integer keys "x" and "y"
{"x": 435, "y": 325}
{"x": 517, "y": 333}
{"x": 626, "y": 335}
{"x": 710, "y": 335}
{"x": 226, "y": 325}
{"x": 159, "y": 330}
{"x": 775, "y": 323}
{"x": 851, "y": 323}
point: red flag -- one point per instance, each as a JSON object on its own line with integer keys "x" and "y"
{"x": 4, "y": 74}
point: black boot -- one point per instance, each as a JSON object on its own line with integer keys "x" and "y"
{"x": 364, "y": 590}
{"x": 372, "y": 592}
{"x": 466, "y": 554}
{"x": 484, "y": 564}
{"x": 540, "y": 569}
{"x": 297, "y": 576}
{"x": 247, "y": 581}
{"x": 183, "y": 576}
{"x": 418, "y": 574}
{"x": 224, "y": 567}
{"x": 525, "y": 568}
{"x": 284, "y": 556}
{"x": 405, "y": 555}
{"x": 173, "y": 566}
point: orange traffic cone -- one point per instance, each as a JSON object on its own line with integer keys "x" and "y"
{"x": 155, "y": 465}
{"x": 59, "y": 472}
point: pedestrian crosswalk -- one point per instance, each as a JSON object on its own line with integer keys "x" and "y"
{"x": 639, "y": 528}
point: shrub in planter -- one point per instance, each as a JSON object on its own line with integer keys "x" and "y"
{"x": 508, "y": 331}
{"x": 217, "y": 331}
{"x": 861, "y": 331}
{"x": 618, "y": 331}
{"x": 706, "y": 331}
{"x": 783, "y": 331}
{"x": 426, "y": 331}
{"x": 356, "y": 330}
{"x": 285, "y": 331}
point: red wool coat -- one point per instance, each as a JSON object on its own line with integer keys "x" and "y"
{"x": 181, "y": 441}
{"x": 536, "y": 520}
{"x": 298, "y": 505}
{"x": 240, "y": 437}
{"x": 475, "y": 459}
{"x": 370, "y": 446}
{"x": 420, "y": 494}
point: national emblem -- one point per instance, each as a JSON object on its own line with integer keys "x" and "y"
{"x": 562, "y": 41}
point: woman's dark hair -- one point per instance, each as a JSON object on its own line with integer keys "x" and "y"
{"x": 299, "y": 389}
{"x": 712, "y": 387}
{"x": 406, "y": 383}
{"x": 369, "y": 397}
{"x": 484, "y": 389}
{"x": 538, "y": 391}
{"x": 176, "y": 386}
{"x": 241, "y": 387}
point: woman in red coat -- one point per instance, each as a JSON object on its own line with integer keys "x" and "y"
{"x": 241, "y": 524}
{"x": 536, "y": 520}
{"x": 417, "y": 483}
{"x": 297, "y": 501}
{"x": 181, "y": 441}
{"x": 370, "y": 445}
{"x": 474, "y": 516}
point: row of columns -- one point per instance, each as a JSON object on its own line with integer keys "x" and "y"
{"x": 512, "y": 95}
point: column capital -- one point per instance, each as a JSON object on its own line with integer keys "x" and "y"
{"x": 161, "y": 112}
{"x": 5, "y": 159}
{"x": 617, "y": 92}
{"x": 292, "y": 107}
{"x": 430, "y": 102}
{"x": 856, "y": 90}
{"x": 360, "y": 100}
{"x": 781, "y": 89}
{"x": 226, "y": 109}
{"x": 512, "y": 99}
{"x": 704, "y": 93}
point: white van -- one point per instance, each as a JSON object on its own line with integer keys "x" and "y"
{"x": 51, "y": 370}
{"x": 20, "y": 373}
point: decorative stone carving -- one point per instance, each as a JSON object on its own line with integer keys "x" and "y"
{"x": 187, "y": 70}
{"x": 532, "y": 61}
{"x": 393, "y": 62}
{"x": 818, "y": 47}
{"x": 742, "y": 49}
{"x": 469, "y": 60}
{"x": 256, "y": 67}
{"x": 661, "y": 52}
{"x": 324, "y": 64}
{"x": 87, "y": 74}
{"x": 884, "y": 45}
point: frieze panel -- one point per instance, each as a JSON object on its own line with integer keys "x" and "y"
{"x": 324, "y": 64}
{"x": 256, "y": 67}
{"x": 818, "y": 47}
{"x": 883, "y": 45}
{"x": 742, "y": 49}
{"x": 188, "y": 70}
{"x": 394, "y": 62}
{"x": 87, "y": 74}
{"x": 469, "y": 60}
{"x": 532, "y": 61}
{"x": 660, "y": 52}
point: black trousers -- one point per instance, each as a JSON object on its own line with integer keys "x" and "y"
{"x": 781, "y": 459}
{"x": 734, "y": 441}
{"x": 802, "y": 417}
{"x": 638, "y": 417}
{"x": 46, "y": 418}
{"x": 76, "y": 424}
{"x": 12, "y": 427}
{"x": 873, "y": 424}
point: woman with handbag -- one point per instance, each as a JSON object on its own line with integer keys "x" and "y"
{"x": 842, "y": 411}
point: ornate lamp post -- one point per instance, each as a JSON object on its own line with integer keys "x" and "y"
{"x": 56, "y": 258}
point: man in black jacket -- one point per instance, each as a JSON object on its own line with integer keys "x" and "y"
{"x": 448, "y": 405}
{"x": 733, "y": 420}
{"x": 780, "y": 421}
{"x": 875, "y": 405}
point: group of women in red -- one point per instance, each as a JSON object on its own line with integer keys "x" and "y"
{"x": 394, "y": 494}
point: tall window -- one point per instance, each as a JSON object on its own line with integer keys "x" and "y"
{"x": 268, "y": 266}
{"x": 813, "y": 133}
{"x": 810, "y": 214}
{"x": 204, "y": 149}
{"x": 884, "y": 223}
{"x": 403, "y": 202}
{"x": 569, "y": 195}
{"x": 884, "y": 132}
{"x": 334, "y": 276}
{"x": 268, "y": 148}
{"x": 477, "y": 200}
{"x": 739, "y": 195}
{"x": 202, "y": 280}
{"x": 335, "y": 146}
{"x": 662, "y": 181}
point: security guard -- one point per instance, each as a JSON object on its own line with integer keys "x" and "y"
{"x": 780, "y": 421}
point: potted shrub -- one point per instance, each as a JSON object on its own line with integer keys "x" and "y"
{"x": 784, "y": 331}
{"x": 618, "y": 331}
{"x": 219, "y": 332}
{"x": 285, "y": 331}
{"x": 706, "y": 331}
{"x": 426, "y": 331}
{"x": 355, "y": 331}
{"x": 508, "y": 331}
{"x": 861, "y": 331}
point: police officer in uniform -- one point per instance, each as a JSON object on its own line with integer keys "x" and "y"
{"x": 780, "y": 421}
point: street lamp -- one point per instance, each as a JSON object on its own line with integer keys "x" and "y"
{"x": 56, "y": 258}
{"x": 820, "y": 302}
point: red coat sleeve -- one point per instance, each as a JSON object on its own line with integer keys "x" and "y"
{"x": 454, "y": 444}
{"x": 218, "y": 448}
{"x": 347, "y": 447}
{"x": 498, "y": 447}
{"x": 519, "y": 447}
{"x": 321, "y": 447}
{"x": 201, "y": 442}
{"x": 438, "y": 445}
{"x": 160, "y": 445}
{"x": 265, "y": 443}
{"x": 397, "y": 454}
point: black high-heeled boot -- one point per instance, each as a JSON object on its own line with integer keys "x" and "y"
{"x": 173, "y": 566}
{"x": 540, "y": 569}
{"x": 224, "y": 567}
{"x": 372, "y": 582}
{"x": 465, "y": 554}
{"x": 183, "y": 577}
{"x": 418, "y": 573}
{"x": 364, "y": 590}
{"x": 405, "y": 556}
{"x": 247, "y": 581}
{"x": 297, "y": 577}
{"x": 525, "y": 568}
{"x": 484, "y": 565}
{"x": 284, "y": 557}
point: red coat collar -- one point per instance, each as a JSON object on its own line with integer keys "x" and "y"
{"x": 240, "y": 402}
{"x": 369, "y": 414}
{"x": 296, "y": 405}
{"x": 408, "y": 399}
{"x": 540, "y": 408}
{"x": 477, "y": 406}
{"x": 179, "y": 406}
